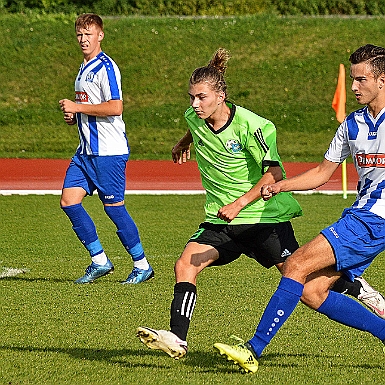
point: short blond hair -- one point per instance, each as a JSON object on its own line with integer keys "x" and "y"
{"x": 87, "y": 19}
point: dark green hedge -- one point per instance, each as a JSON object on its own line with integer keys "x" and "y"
{"x": 142, "y": 7}
{"x": 329, "y": 7}
{"x": 200, "y": 7}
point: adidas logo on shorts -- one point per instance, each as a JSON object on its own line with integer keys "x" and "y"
{"x": 285, "y": 253}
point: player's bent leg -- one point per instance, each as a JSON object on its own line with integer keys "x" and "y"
{"x": 365, "y": 293}
{"x": 194, "y": 259}
{"x": 162, "y": 340}
{"x": 339, "y": 307}
{"x": 317, "y": 286}
{"x": 298, "y": 266}
{"x": 347, "y": 311}
{"x": 314, "y": 256}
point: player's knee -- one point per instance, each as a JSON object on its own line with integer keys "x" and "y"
{"x": 181, "y": 265}
{"x": 314, "y": 294}
{"x": 65, "y": 202}
{"x": 294, "y": 268}
{"x": 185, "y": 270}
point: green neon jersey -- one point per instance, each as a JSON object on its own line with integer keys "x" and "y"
{"x": 232, "y": 160}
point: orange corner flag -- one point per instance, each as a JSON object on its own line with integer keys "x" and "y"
{"x": 339, "y": 100}
{"x": 338, "y": 104}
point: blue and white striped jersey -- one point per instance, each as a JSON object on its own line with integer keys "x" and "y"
{"x": 363, "y": 137}
{"x": 100, "y": 81}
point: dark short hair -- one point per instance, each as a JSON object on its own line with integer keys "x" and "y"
{"x": 373, "y": 55}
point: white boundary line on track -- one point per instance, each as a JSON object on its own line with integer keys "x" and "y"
{"x": 160, "y": 192}
{"x": 127, "y": 192}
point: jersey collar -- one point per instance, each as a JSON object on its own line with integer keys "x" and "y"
{"x": 232, "y": 113}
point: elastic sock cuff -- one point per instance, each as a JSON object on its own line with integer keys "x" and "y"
{"x": 182, "y": 287}
{"x": 66, "y": 208}
{"x": 94, "y": 248}
{"x": 291, "y": 286}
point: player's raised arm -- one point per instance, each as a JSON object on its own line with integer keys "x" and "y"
{"x": 309, "y": 180}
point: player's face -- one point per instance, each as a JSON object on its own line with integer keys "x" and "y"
{"x": 89, "y": 41}
{"x": 364, "y": 86}
{"x": 205, "y": 100}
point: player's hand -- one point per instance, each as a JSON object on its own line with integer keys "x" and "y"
{"x": 180, "y": 153}
{"x": 229, "y": 212}
{"x": 67, "y": 106}
{"x": 70, "y": 118}
{"x": 268, "y": 191}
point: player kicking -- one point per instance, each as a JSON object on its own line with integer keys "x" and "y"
{"x": 348, "y": 246}
{"x": 100, "y": 160}
{"x": 236, "y": 154}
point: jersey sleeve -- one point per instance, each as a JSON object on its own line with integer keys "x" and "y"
{"x": 111, "y": 82}
{"x": 339, "y": 148}
{"x": 262, "y": 144}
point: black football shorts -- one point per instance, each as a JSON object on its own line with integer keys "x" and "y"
{"x": 267, "y": 243}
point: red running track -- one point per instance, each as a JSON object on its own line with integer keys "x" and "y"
{"x": 48, "y": 174}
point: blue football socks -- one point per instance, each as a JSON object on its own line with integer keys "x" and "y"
{"x": 84, "y": 228}
{"x": 347, "y": 311}
{"x": 126, "y": 231}
{"x": 281, "y": 305}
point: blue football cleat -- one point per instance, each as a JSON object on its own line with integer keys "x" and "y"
{"x": 95, "y": 271}
{"x": 139, "y": 275}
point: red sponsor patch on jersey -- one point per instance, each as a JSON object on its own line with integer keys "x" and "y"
{"x": 81, "y": 97}
{"x": 370, "y": 160}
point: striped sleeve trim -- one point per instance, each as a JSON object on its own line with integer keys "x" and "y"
{"x": 258, "y": 135}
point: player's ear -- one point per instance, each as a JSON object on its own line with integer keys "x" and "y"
{"x": 381, "y": 81}
{"x": 221, "y": 97}
{"x": 101, "y": 36}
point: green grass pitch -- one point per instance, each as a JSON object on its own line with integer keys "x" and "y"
{"x": 55, "y": 332}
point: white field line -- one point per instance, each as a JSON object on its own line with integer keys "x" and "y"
{"x": 7, "y": 272}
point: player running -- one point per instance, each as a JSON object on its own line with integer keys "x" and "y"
{"x": 100, "y": 160}
{"x": 348, "y": 246}
{"x": 237, "y": 154}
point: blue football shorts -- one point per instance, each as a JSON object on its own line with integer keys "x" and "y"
{"x": 267, "y": 243}
{"x": 106, "y": 174}
{"x": 356, "y": 238}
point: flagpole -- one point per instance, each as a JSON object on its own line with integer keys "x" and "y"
{"x": 344, "y": 180}
{"x": 339, "y": 104}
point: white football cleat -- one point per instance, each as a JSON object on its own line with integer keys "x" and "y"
{"x": 371, "y": 298}
{"x": 162, "y": 340}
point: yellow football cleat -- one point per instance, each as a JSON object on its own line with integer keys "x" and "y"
{"x": 240, "y": 354}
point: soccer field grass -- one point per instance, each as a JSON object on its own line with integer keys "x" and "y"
{"x": 55, "y": 332}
